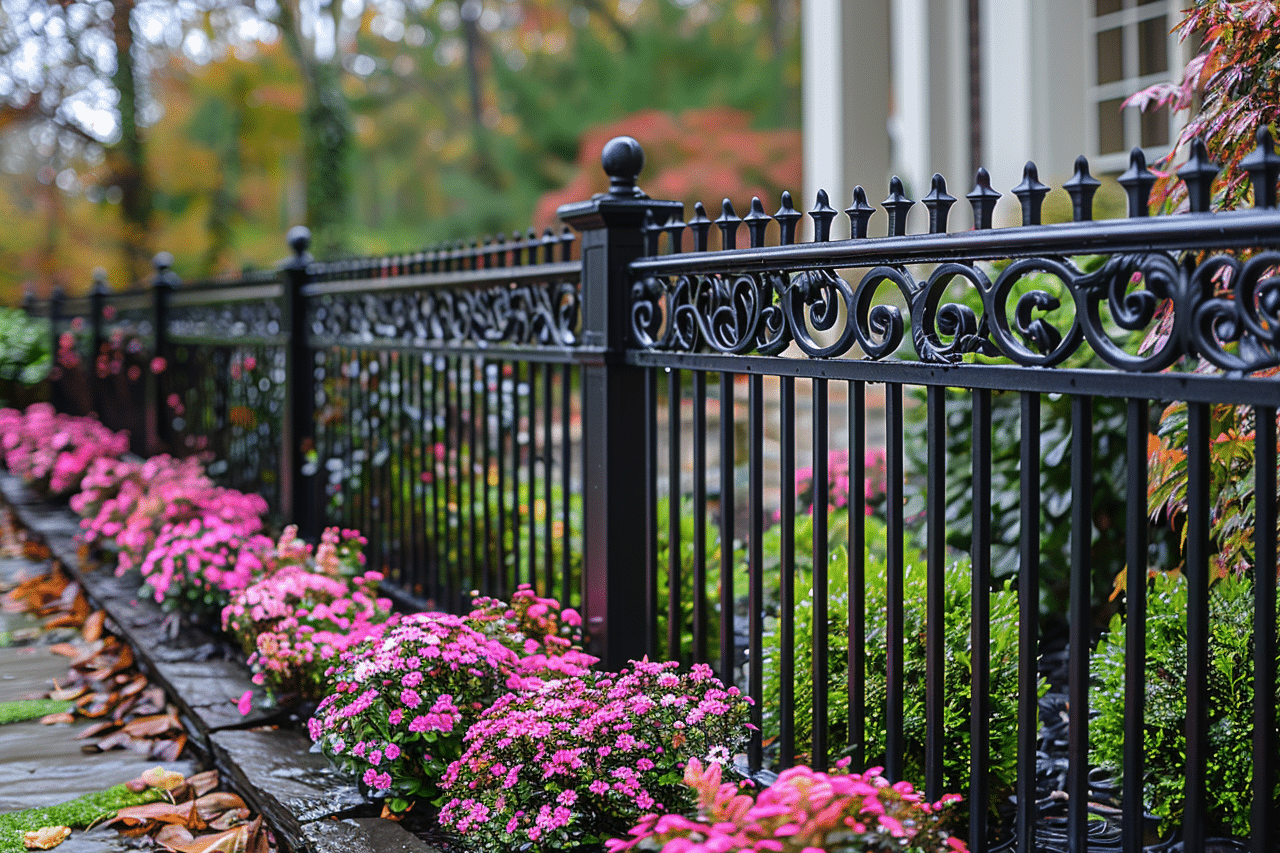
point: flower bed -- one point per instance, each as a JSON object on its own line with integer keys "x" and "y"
{"x": 495, "y": 716}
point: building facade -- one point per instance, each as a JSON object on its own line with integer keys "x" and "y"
{"x": 913, "y": 87}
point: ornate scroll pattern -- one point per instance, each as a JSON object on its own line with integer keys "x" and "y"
{"x": 1137, "y": 312}
{"x": 543, "y": 314}
{"x": 230, "y": 320}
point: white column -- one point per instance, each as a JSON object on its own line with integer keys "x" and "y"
{"x": 845, "y": 50}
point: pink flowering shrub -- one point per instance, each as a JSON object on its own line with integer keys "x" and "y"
{"x": 838, "y": 484}
{"x": 52, "y": 452}
{"x": 400, "y": 701}
{"x": 125, "y": 505}
{"x": 294, "y": 623}
{"x": 537, "y": 629}
{"x": 804, "y": 811}
{"x": 198, "y": 563}
{"x": 582, "y": 759}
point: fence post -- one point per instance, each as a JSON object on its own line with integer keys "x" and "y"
{"x": 299, "y": 498}
{"x": 615, "y": 448}
{"x": 56, "y": 398}
{"x": 162, "y": 286}
{"x": 97, "y": 305}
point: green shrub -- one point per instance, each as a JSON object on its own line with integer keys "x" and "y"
{"x": 957, "y": 668}
{"x": 24, "y": 355}
{"x": 1231, "y": 632}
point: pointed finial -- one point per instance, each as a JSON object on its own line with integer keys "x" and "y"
{"x": 982, "y": 198}
{"x": 1031, "y": 193}
{"x": 757, "y": 221}
{"x": 622, "y": 159}
{"x": 859, "y": 213}
{"x": 566, "y": 243}
{"x": 939, "y": 202}
{"x": 1263, "y": 166}
{"x": 675, "y": 234}
{"x": 822, "y": 214}
{"x": 700, "y": 225}
{"x": 652, "y": 231}
{"x": 1137, "y": 181}
{"x": 728, "y": 222}
{"x": 1198, "y": 174}
{"x": 897, "y": 205}
{"x": 787, "y": 217}
{"x": 1081, "y": 186}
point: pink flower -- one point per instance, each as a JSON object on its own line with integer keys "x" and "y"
{"x": 245, "y": 704}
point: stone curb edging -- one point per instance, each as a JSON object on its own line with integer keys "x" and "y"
{"x": 297, "y": 791}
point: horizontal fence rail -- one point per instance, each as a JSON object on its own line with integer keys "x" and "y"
{"x": 899, "y": 489}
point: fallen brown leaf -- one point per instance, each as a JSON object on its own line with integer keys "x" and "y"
{"x": 167, "y": 750}
{"x": 203, "y": 783}
{"x": 165, "y": 780}
{"x": 92, "y": 629}
{"x": 172, "y": 836}
{"x": 65, "y": 649}
{"x": 66, "y": 694}
{"x": 46, "y": 837}
{"x": 249, "y": 838}
{"x": 153, "y": 726}
{"x": 94, "y": 729}
{"x": 50, "y": 719}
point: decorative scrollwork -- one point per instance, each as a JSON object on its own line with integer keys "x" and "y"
{"x": 543, "y": 314}
{"x": 1138, "y": 312}
{"x": 228, "y": 320}
{"x": 1250, "y": 321}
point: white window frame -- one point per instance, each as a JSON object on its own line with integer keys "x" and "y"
{"x": 1127, "y": 20}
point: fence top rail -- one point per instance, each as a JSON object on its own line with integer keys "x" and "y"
{"x": 568, "y": 270}
{"x": 232, "y": 293}
{"x": 1237, "y": 229}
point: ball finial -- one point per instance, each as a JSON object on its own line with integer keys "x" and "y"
{"x": 299, "y": 238}
{"x": 622, "y": 160}
{"x": 162, "y": 261}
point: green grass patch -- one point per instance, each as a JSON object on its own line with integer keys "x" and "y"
{"x": 77, "y": 814}
{"x": 30, "y": 709}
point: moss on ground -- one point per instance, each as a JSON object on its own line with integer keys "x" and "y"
{"x": 77, "y": 814}
{"x": 30, "y": 709}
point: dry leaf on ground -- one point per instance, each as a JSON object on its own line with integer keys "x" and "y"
{"x": 46, "y": 837}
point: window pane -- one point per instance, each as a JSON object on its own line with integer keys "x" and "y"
{"x": 1106, "y": 7}
{"x": 1110, "y": 127}
{"x": 1110, "y": 58}
{"x": 1153, "y": 46}
{"x": 1155, "y": 127}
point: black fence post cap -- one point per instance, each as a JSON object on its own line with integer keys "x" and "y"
{"x": 299, "y": 239}
{"x": 165, "y": 276}
{"x": 100, "y": 284}
{"x": 622, "y": 160}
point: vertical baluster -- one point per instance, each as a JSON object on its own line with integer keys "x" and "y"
{"x": 500, "y": 444}
{"x": 1197, "y": 574}
{"x": 566, "y": 492}
{"x": 726, "y": 528}
{"x": 675, "y": 619}
{"x": 699, "y": 516}
{"x": 980, "y": 625}
{"x": 1028, "y": 617}
{"x": 1265, "y": 822}
{"x": 651, "y": 513}
{"x": 755, "y": 565}
{"x": 397, "y": 462}
{"x": 417, "y": 488}
{"x": 439, "y": 553}
{"x": 452, "y": 479}
{"x": 894, "y": 474}
{"x": 1135, "y": 645}
{"x": 1079, "y": 613}
{"x": 515, "y": 474}
{"x": 787, "y": 590}
{"x": 819, "y": 599}
{"x": 935, "y": 601}
{"x": 486, "y": 460}
{"x": 857, "y": 570}
{"x": 473, "y": 440}
{"x": 547, "y": 481}
{"x": 532, "y": 501}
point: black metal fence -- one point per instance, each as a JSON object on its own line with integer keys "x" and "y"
{"x": 627, "y": 430}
